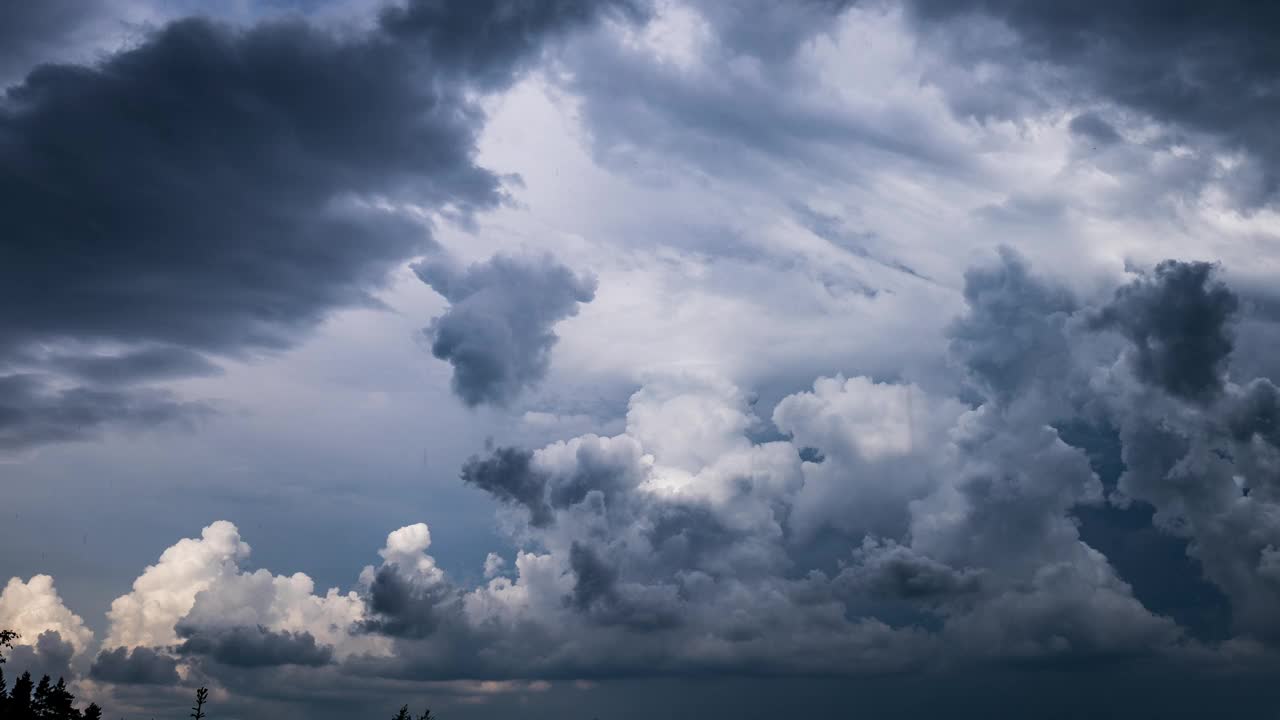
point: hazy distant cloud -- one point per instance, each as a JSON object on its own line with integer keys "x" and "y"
{"x": 497, "y": 332}
{"x": 1202, "y": 67}
{"x": 135, "y": 666}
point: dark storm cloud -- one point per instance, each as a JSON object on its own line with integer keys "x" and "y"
{"x": 50, "y": 655}
{"x": 486, "y": 41}
{"x": 401, "y": 606}
{"x": 220, "y": 190}
{"x": 1257, "y": 413}
{"x": 1179, "y": 321}
{"x": 769, "y": 30}
{"x": 1093, "y": 128}
{"x": 136, "y": 666}
{"x": 597, "y": 594}
{"x": 135, "y": 366}
{"x": 35, "y": 411}
{"x": 253, "y": 646}
{"x": 811, "y": 454}
{"x": 212, "y": 202}
{"x": 594, "y": 581}
{"x": 507, "y": 474}
{"x": 897, "y": 572}
{"x": 1204, "y": 67}
{"x": 497, "y": 333}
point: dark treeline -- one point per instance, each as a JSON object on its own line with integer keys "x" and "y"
{"x": 46, "y": 700}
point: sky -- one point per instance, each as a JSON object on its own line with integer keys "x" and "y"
{"x": 633, "y": 358}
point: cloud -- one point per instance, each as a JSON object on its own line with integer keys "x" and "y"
{"x": 936, "y": 531}
{"x": 508, "y": 476}
{"x": 34, "y": 607}
{"x": 165, "y": 592}
{"x": 875, "y": 440}
{"x": 1013, "y": 333}
{"x": 408, "y": 595}
{"x": 721, "y": 90}
{"x": 253, "y": 646}
{"x": 488, "y": 41}
{"x": 135, "y": 366}
{"x": 35, "y": 409}
{"x": 136, "y": 666}
{"x": 1136, "y": 55}
{"x": 49, "y": 655}
{"x": 860, "y": 491}
{"x": 197, "y": 599}
{"x": 1179, "y": 321}
{"x": 497, "y": 332}
{"x": 216, "y": 190}
{"x": 1093, "y": 128}
{"x": 890, "y": 570}
{"x": 33, "y": 32}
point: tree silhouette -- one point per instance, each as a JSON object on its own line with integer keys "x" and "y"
{"x": 20, "y": 697}
{"x": 426, "y": 715}
{"x": 40, "y": 700}
{"x": 197, "y": 712}
{"x": 60, "y": 703}
{"x": 45, "y": 700}
{"x": 403, "y": 714}
{"x": 6, "y": 640}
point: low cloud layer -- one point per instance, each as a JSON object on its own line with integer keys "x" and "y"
{"x": 253, "y": 646}
{"x": 684, "y": 546}
{"x": 136, "y": 666}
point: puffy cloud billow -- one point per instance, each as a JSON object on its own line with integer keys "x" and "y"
{"x": 497, "y": 332}
{"x": 684, "y": 545}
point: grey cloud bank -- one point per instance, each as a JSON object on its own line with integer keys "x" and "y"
{"x": 682, "y": 547}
